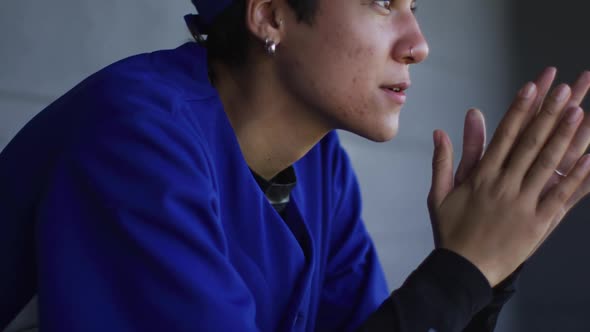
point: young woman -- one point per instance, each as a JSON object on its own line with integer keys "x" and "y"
{"x": 204, "y": 188}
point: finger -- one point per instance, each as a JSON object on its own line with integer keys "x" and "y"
{"x": 543, "y": 83}
{"x": 474, "y": 139}
{"x": 555, "y": 203}
{"x": 535, "y": 136}
{"x": 442, "y": 169}
{"x": 580, "y": 193}
{"x": 579, "y": 89}
{"x": 577, "y": 147}
{"x": 508, "y": 129}
{"x": 553, "y": 181}
{"x": 550, "y": 156}
{"x": 581, "y": 140}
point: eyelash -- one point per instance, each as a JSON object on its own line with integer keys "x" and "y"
{"x": 413, "y": 6}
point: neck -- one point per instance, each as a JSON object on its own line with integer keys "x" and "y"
{"x": 273, "y": 130}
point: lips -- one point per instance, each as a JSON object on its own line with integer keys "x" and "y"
{"x": 396, "y": 92}
{"x": 400, "y": 87}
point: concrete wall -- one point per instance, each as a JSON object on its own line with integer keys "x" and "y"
{"x": 47, "y": 47}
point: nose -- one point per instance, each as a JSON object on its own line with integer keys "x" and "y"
{"x": 411, "y": 47}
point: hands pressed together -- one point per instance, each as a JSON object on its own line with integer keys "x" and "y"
{"x": 502, "y": 204}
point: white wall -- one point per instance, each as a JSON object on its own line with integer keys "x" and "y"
{"x": 48, "y": 47}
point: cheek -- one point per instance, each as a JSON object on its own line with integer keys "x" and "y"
{"x": 354, "y": 80}
{"x": 337, "y": 72}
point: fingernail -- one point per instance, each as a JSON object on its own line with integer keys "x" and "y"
{"x": 574, "y": 115}
{"x": 550, "y": 70}
{"x": 561, "y": 92}
{"x": 528, "y": 90}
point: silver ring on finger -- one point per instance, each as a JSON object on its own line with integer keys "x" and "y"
{"x": 560, "y": 174}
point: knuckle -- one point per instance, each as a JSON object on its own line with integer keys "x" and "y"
{"x": 560, "y": 195}
{"x": 474, "y": 183}
{"x": 521, "y": 105}
{"x": 438, "y": 162}
{"x": 472, "y": 148}
{"x": 537, "y": 229}
{"x": 530, "y": 141}
{"x": 564, "y": 132}
{"x": 578, "y": 173}
{"x": 507, "y": 134}
{"x": 546, "y": 161}
{"x": 569, "y": 159}
{"x": 550, "y": 109}
{"x": 499, "y": 190}
{"x": 474, "y": 180}
{"x": 478, "y": 180}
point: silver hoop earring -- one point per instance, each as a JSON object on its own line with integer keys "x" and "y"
{"x": 271, "y": 46}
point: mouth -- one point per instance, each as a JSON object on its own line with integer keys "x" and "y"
{"x": 396, "y": 92}
{"x": 400, "y": 87}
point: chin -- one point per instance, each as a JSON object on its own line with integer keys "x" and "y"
{"x": 381, "y": 132}
{"x": 383, "y": 136}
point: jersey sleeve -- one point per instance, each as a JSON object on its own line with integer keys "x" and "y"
{"x": 129, "y": 236}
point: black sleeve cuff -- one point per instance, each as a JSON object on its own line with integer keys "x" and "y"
{"x": 486, "y": 319}
{"x": 442, "y": 294}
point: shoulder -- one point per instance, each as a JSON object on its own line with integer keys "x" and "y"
{"x": 162, "y": 80}
{"x": 138, "y": 98}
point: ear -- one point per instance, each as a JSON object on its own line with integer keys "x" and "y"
{"x": 263, "y": 19}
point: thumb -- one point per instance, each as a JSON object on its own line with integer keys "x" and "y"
{"x": 474, "y": 139}
{"x": 442, "y": 169}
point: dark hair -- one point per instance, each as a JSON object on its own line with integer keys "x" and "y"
{"x": 228, "y": 38}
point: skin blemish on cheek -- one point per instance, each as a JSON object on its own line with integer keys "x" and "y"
{"x": 358, "y": 52}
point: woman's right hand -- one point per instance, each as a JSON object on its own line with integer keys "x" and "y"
{"x": 499, "y": 215}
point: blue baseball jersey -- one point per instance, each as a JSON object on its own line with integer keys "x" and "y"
{"x": 128, "y": 206}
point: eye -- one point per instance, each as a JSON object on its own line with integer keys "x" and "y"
{"x": 383, "y": 4}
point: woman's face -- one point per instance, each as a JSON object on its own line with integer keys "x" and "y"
{"x": 349, "y": 65}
